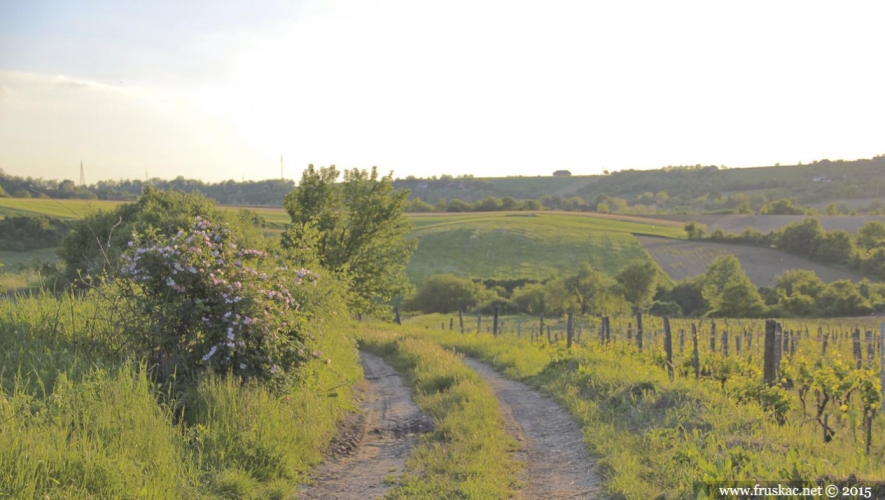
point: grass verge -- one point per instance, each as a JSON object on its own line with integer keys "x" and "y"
{"x": 80, "y": 419}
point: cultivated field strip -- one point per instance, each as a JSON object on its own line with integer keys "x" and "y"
{"x": 736, "y": 223}
{"x": 557, "y": 463}
{"x": 378, "y": 448}
{"x": 686, "y": 259}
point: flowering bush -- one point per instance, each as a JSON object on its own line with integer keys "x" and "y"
{"x": 212, "y": 305}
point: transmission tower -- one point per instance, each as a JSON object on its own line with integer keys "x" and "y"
{"x": 82, "y": 175}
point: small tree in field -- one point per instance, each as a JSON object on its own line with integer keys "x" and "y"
{"x": 444, "y": 293}
{"x": 729, "y": 291}
{"x": 356, "y": 229}
{"x": 637, "y": 283}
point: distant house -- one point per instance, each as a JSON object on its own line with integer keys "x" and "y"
{"x": 562, "y": 173}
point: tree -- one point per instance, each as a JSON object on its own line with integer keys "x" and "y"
{"x": 689, "y": 296}
{"x": 531, "y": 299}
{"x": 799, "y": 281}
{"x": 509, "y": 203}
{"x": 419, "y": 206}
{"x": 836, "y": 247}
{"x": 782, "y": 207}
{"x": 739, "y": 299}
{"x": 694, "y": 230}
{"x": 533, "y": 205}
{"x": 871, "y": 235}
{"x": 728, "y": 289}
{"x": 445, "y": 293}
{"x": 842, "y": 298}
{"x": 356, "y": 229}
{"x": 802, "y": 238}
{"x": 590, "y": 290}
{"x": 638, "y": 282}
{"x": 487, "y": 204}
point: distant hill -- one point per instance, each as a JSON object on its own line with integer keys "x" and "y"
{"x": 472, "y": 189}
{"x": 807, "y": 184}
{"x": 858, "y": 184}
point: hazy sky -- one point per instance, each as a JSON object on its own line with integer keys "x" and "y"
{"x": 219, "y": 90}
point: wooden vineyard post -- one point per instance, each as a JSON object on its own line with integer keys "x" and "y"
{"x": 668, "y": 346}
{"x": 541, "y": 330}
{"x": 478, "y": 321}
{"x": 608, "y": 330}
{"x": 629, "y": 332}
{"x": 639, "y": 331}
{"x": 682, "y": 341}
{"x": 855, "y": 341}
{"x": 695, "y": 358}
{"x": 495, "y": 322}
{"x": 785, "y": 343}
{"x": 824, "y": 344}
{"x": 770, "y": 362}
{"x": 778, "y": 335}
{"x": 712, "y": 335}
{"x": 461, "y": 320}
{"x": 749, "y": 340}
{"x": 549, "y": 340}
{"x": 725, "y": 343}
{"x": 396, "y": 317}
{"x": 870, "y": 353}
{"x": 451, "y": 324}
{"x": 570, "y": 330}
{"x": 737, "y": 344}
{"x": 882, "y": 360}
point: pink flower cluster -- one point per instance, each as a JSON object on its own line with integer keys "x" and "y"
{"x": 205, "y": 288}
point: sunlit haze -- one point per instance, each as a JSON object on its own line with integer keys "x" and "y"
{"x": 220, "y": 90}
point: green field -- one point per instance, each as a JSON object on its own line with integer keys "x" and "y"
{"x": 501, "y": 246}
{"x": 62, "y": 209}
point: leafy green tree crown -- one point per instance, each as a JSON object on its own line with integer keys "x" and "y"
{"x": 356, "y": 229}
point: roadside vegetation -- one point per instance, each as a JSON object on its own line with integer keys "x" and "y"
{"x": 655, "y": 436}
{"x": 188, "y": 358}
{"x": 468, "y": 453}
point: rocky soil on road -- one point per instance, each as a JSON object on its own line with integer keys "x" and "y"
{"x": 371, "y": 446}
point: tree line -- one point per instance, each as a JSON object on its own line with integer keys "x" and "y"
{"x": 864, "y": 252}
{"x": 723, "y": 290}
{"x": 268, "y": 192}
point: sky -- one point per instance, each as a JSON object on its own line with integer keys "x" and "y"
{"x": 218, "y": 90}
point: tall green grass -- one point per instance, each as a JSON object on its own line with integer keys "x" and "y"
{"x": 468, "y": 453}
{"x": 80, "y": 418}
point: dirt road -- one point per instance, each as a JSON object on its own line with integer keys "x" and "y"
{"x": 557, "y": 463}
{"x": 373, "y": 445}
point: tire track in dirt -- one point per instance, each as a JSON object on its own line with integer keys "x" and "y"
{"x": 373, "y": 444}
{"x": 557, "y": 463}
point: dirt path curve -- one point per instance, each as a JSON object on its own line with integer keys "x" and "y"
{"x": 557, "y": 463}
{"x": 372, "y": 445}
